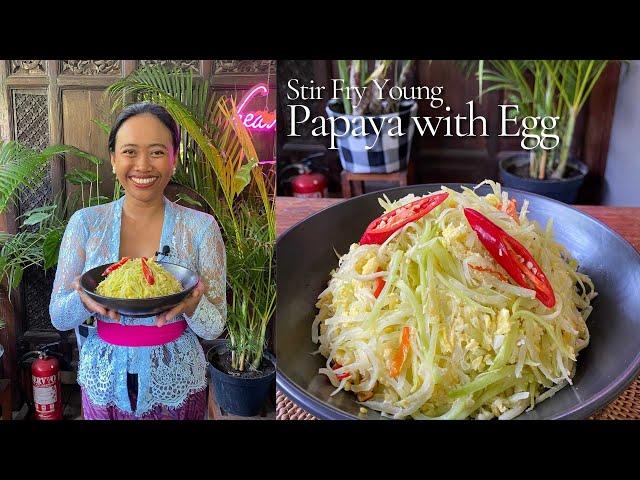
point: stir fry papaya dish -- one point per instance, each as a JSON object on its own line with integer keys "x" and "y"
{"x": 137, "y": 278}
{"x": 453, "y": 305}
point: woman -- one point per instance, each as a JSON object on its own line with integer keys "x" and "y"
{"x": 134, "y": 373}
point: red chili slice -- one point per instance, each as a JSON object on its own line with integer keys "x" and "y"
{"x": 384, "y": 226}
{"x": 115, "y": 266}
{"x": 512, "y": 256}
{"x": 148, "y": 275}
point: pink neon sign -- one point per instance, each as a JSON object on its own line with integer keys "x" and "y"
{"x": 260, "y": 119}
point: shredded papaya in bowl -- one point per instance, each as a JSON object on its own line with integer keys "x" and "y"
{"x": 137, "y": 278}
{"x": 468, "y": 310}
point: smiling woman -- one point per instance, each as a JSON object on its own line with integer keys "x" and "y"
{"x": 143, "y": 143}
{"x": 165, "y": 378}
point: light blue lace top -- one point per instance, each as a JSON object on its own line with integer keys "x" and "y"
{"x": 168, "y": 373}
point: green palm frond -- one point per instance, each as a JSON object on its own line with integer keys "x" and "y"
{"x": 575, "y": 79}
{"x": 23, "y": 168}
{"x": 156, "y": 83}
{"x": 543, "y": 88}
{"x": 147, "y": 82}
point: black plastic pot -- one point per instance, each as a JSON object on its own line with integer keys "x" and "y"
{"x": 565, "y": 189}
{"x": 237, "y": 395}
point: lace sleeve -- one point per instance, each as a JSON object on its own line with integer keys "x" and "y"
{"x": 66, "y": 309}
{"x": 210, "y": 315}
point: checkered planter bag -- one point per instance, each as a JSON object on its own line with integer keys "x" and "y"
{"x": 388, "y": 154}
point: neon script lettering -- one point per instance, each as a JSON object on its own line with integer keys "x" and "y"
{"x": 260, "y": 119}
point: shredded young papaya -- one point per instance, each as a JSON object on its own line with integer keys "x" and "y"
{"x": 446, "y": 333}
{"x": 129, "y": 281}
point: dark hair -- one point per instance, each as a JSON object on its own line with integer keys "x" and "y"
{"x": 146, "y": 107}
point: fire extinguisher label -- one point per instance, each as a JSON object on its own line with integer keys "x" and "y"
{"x": 44, "y": 392}
{"x": 324, "y": 193}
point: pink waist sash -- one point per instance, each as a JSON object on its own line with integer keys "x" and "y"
{"x": 140, "y": 335}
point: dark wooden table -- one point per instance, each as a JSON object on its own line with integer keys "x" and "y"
{"x": 290, "y": 211}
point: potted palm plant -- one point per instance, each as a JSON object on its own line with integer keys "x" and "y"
{"x": 368, "y": 154}
{"x": 545, "y": 88}
{"x": 219, "y": 162}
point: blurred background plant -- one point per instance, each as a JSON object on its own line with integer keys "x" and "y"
{"x": 557, "y": 88}
{"x": 362, "y": 73}
{"x": 219, "y": 162}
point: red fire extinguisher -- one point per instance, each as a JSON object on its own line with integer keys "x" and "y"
{"x": 45, "y": 380}
{"x": 309, "y": 182}
{"x": 309, "y": 185}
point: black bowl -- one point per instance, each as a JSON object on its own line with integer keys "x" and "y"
{"x": 604, "y": 369}
{"x": 140, "y": 307}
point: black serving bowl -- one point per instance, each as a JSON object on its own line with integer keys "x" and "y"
{"x": 142, "y": 307}
{"x": 604, "y": 368}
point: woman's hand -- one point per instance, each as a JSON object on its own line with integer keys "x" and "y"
{"x": 187, "y": 306}
{"x": 91, "y": 304}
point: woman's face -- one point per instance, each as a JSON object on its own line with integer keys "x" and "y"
{"x": 143, "y": 158}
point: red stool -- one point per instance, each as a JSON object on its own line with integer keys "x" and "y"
{"x": 401, "y": 178}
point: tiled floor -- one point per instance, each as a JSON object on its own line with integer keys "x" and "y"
{"x": 72, "y": 401}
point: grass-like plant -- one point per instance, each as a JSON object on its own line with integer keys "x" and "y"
{"x": 358, "y": 73}
{"x": 557, "y": 88}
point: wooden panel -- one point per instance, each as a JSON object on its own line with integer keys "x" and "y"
{"x": 79, "y": 109}
{"x": 8, "y": 312}
{"x": 227, "y": 82}
{"x": 55, "y": 127}
{"x": 30, "y": 119}
{"x": 88, "y": 67}
{"x": 595, "y": 147}
{"x": 5, "y": 118}
{"x": 77, "y": 81}
{"x": 457, "y": 91}
{"x": 35, "y": 81}
{"x": 27, "y": 68}
{"x": 128, "y": 66}
{"x": 185, "y": 65}
{"x": 229, "y": 74}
